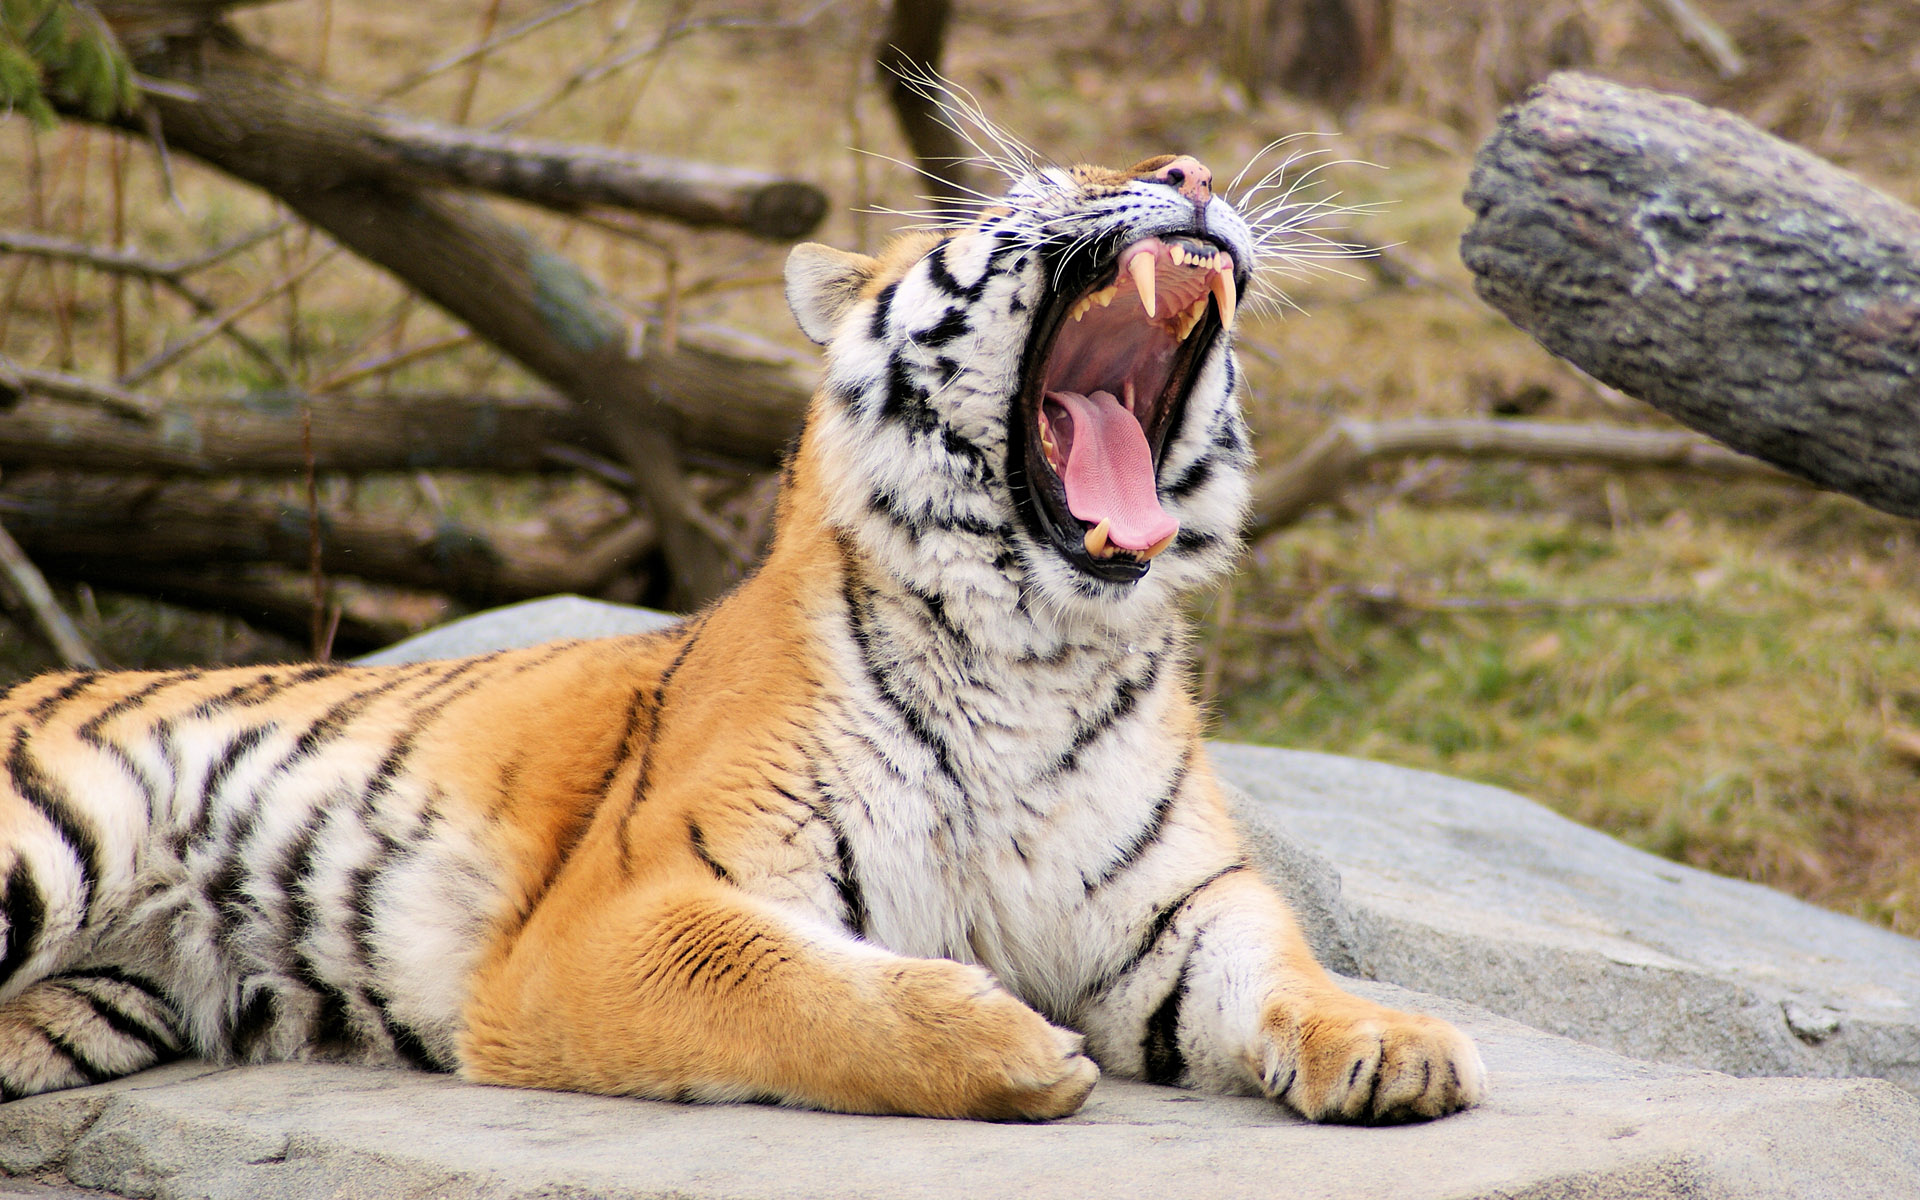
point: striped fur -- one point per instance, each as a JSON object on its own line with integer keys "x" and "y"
{"x": 918, "y": 820}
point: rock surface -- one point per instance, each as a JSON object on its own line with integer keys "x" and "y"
{"x": 1565, "y": 1121}
{"x": 1399, "y": 875}
{"x": 1479, "y": 894}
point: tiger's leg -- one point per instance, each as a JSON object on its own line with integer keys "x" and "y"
{"x": 704, "y": 993}
{"x": 1226, "y": 995}
{"x": 84, "y": 1027}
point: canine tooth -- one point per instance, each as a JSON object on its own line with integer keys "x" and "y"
{"x": 1141, "y": 268}
{"x": 1225, "y": 295}
{"x": 1147, "y": 554}
{"x": 1097, "y": 543}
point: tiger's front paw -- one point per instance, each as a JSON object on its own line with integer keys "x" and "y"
{"x": 1335, "y": 1057}
{"x": 984, "y": 1054}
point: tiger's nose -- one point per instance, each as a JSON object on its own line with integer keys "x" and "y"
{"x": 1188, "y": 176}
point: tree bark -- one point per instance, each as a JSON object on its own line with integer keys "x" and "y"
{"x": 264, "y": 597}
{"x": 1742, "y": 285}
{"x": 260, "y": 435}
{"x": 74, "y": 525}
{"x": 908, "y": 62}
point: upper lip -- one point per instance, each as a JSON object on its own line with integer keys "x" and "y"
{"x": 1095, "y": 333}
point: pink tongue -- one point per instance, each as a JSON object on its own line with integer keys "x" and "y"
{"x": 1109, "y": 474}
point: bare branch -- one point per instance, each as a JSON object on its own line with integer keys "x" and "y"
{"x": 568, "y": 177}
{"x": 31, "y": 587}
{"x": 17, "y": 380}
{"x": 1320, "y": 472}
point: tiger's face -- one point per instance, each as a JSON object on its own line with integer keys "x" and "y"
{"x": 1049, "y": 390}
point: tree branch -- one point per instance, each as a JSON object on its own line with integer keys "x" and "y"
{"x": 31, "y": 588}
{"x": 17, "y": 381}
{"x": 1319, "y": 473}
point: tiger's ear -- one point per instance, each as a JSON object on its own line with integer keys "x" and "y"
{"x": 822, "y": 284}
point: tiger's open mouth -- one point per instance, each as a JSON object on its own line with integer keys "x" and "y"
{"x": 1107, "y": 370}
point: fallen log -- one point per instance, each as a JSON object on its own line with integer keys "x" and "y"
{"x": 260, "y": 435}
{"x": 268, "y": 598}
{"x": 1738, "y": 283}
{"x": 73, "y": 524}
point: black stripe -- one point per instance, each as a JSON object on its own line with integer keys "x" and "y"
{"x": 885, "y": 504}
{"x": 90, "y": 1070}
{"x": 659, "y": 711}
{"x": 32, "y": 783}
{"x": 905, "y": 399}
{"x": 882, "y": 311}
{"x": 944, "y": 279}
{"x": 699, "y": 841}
{"x": 90, "y": 729}
{"x": 1160, "y": 1044}
{"x": 1193, "y": 539}
{"x": 911, "y": 717}
{"x": 26, "y": 911}
{"x": 638, "y": 704}
{"x": 1149, "y": 833}
{"x": 1157, "y": 929}
{"x": 44, "y": 708}
{"x": 161, "y": 1041}
{"x": 255, "y": 1019}
{"x": 1191, "y": 480}
{"x": 407, "y": 1043}
{"x": 238, "y": 747}
{"x": 1125, "y": 696}
{"x": 847, "y": 882}
{"x": 975, "y": 458}
{"x": 952, "y": 325}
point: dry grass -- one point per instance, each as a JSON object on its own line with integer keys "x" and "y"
{"x": 1723, "y": 673}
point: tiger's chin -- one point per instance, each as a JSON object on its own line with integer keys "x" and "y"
{"x": 1112, "y": 358}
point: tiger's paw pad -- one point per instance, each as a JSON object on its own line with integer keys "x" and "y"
{"x": 1347, "y": 1059}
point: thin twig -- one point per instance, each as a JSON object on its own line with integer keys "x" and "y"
{"x": 31, "y": 587}
{"x": 124, "y": 263}
{"x": 218, "y": 323}
{"x": 17, "y": 380}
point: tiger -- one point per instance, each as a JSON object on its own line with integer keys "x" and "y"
{"x": 917, "y": 820}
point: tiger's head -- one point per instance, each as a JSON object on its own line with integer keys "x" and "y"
{"x": 1044, "y": 399}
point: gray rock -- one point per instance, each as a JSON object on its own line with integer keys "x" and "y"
{"x": 1565, "y": 1121}
{"x": 1479, "y": 894}
{"x": 552, "y": 619}
{"x": 1399, "y": 875}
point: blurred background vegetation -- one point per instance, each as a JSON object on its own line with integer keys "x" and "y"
{"x": 1724, "y": 670}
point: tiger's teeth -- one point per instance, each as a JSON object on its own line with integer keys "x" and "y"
{"x": 1080, "y": 307}
{"x": 1097, "y": 544}
{"x": 1105, "y": 295}
{"x": 1147, "y": 554}
{"x": 1184, "y": 323}
{"x": 1224, "y": 294}
{"x": 1141, "y": 268}
{"x": 1178, "y": 256}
